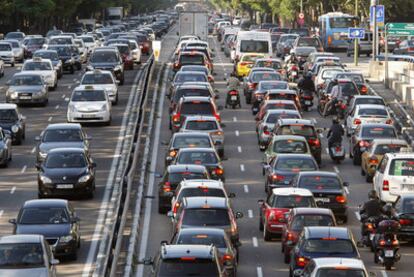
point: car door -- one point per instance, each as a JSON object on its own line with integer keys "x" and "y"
{"x": 379, "y": 174}
{"x": 350, "y": 119}
{"x": 7, "y": 139}
{"x": 75, "y": 225}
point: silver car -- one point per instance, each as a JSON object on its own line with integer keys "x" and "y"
{"x": 17, "y": 48}
{"x": 5, "y": 148}
{"x": 26, "y": 256}
{"x": 27, "y": 88}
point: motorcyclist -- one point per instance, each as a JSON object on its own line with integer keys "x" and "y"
{"x": 373, "y": 207}
{"x": 336, "y": 94}
{"x": 306, "y": 83}
{"x": 233, "y": 83}
{"x": 335, "y": 133}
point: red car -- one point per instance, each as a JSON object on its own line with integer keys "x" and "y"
{"x": 126, "y": 55}
{"x": 297, "y": 219}
{"x": 273, "y": 211}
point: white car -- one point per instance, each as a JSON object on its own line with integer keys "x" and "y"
{"x": 89, "y": 41}
{"x": 326, "y": 74}
{"x": 6, "y": 53}
{"x": 236, "y": 20}
{"x": 89, "y": 105}
{"x": 394, "y": 176}
{"x": 83, "y": 51}
{"x": 135, "y": 51}
{"x": 17, "y": 49}
{"x": 43, "y": 67}
{"x": 335, "y": 267}
{"x": 101, "y": 79}
{"x": 61, "y": 40}
{"x": 367, "y": 113}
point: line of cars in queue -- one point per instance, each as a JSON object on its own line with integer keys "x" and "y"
{"x": 45, "y": 228}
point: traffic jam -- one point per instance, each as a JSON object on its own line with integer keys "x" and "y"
{"x": 311, "y": 117}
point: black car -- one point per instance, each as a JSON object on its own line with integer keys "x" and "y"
{"x": 65, "y": 55}
{"x": 66, "y": 171}
{"x": 54, "y": 57}
{"x": 12, "y": 120}
{"x": 328, "y": 190}
{"x": 283, "y": 167}
{"x": 32, "y": 44}
{"x": 55, "y": 219}
{"x": 173, "y": 175}
{"x": 404, "y": 211}
{"x": 107, "y": 58}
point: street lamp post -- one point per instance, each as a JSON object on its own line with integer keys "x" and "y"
{"x": 356, "y": 50}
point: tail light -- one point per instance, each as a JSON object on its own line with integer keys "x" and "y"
{"x": 218, "y": 171}
{"x": 252, "y": 85}
{"x": 395, "y": 242}
{"x": 369, "y": 226}
{"x": 294, "y": 68}
{"x": 173, "y": 153}
{"x": 373, "y": 160}
{"x": 266, "y": 132}
{"x": 385, "y": 185}
{"x": 381, "y": 242}
{"x": 176, "y": 206}
{"x": 340, "y": 199}
{"x": 314, "y": 142}
{"x": 272, "y": 216}
{"x": 301, "y": 261}
{"x": 234, "y": 92}
{"x": 357, "y": 121}
{"x": 363, "y": 143}
{"x": 329, "y": 40}
{"x": 243, "y": 64}
{"x": 227, "y": 257}
{"x": 176, "y": 118}
{"x": 276, "y": 177}
{"x": 410, "y": 49}
{"x": 404, "y": 221}
{"x": 166, "y": 187}
{"x": 176, "y": 65}
{"x": 364, "y": 89}
{"x": 343, "y": 106}
{"x": 217, "y": 116}
{"x": 289, "y": 236}
{"x": 210, "y": 79}
{"x": 338, "y": 149}
{"x": 389, "y": 121}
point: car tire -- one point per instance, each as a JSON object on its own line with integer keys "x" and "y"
{"x": 261, "y": 226}
{"x": 116, "y": 100}
{"x": 344, "y": 219}
{"x": 73, "y": 256}
{"x": 319, "y": 159}
{"x": 12, "y": 65}
{"x": 161, "y": 209}
{"x": 79, "y": 243}
{"x": 368, "y": 178}
{"x": 221, "y": 153}
{"x": 121, "y": 82}
{"x": 356, "y": 159}
{"x": 266, "y": 235}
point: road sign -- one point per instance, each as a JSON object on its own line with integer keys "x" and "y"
{"x": 301, "y": 15}
{"x": 156, "y": 47}
{"x": 356, "y": 33}
{"x": 380, "y": 10}
{"x": 400, "y": 29}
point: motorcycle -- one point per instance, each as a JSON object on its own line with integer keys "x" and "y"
{"x": 306, "y": 99}
{"x": 293, "y": 73}
{"x": 340, "y": 108}
{"x": 337, "y": 152}
{"x": 233, "y": 99}
{"x": 386, "y": 244}
{"x": 369, "y": 226}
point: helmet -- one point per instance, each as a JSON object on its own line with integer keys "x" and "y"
{"x": 372, "y": 194}
{"x": 387, "y": 209}
{"x": 334, "y": 81}
{"x": 309, "y": 75}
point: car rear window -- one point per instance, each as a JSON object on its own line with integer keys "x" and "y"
{"x": 320, "y": 183}
{"x": 374, "y": 101}
{"x": 348, "y": 89}
{"x": 293, "y": 201}
{"x": 273, "y": 85}
{"x": 295, "y": 164}
{"x": 201, "y": 125}
{"x": 258, "y": 46}
{"x": 340, "y": 272}
{"x": 305, "y": 220}
{"x": 191, "y": 59}
{"x": 378, "y": 132}
{"x": 270, "y": 64}
{"x": 197, "y": 107}
{"x": 402, "y": 167}
{"x": 382, "y": 149}
{"x": 202, "y": 239}
{"x": 266, "y": 76}
{"x": 280, "y": 106}
{"x": 309, "y": 42}
{"x": 206, "y": 217}
{"x": 372, "y": 112}
{"x": 191, "y": 141}
{"x": 329, "y": 74}
{"x": 176, "y": 177}
{"x": 193, "y": 157}
{"x": 201, "y": 191}
{"x": 299, "y": 129}
{"x": 187, "y": 92}
{"x": 273, "y": 117}
{"x": 282, "y": 96}
{"x": 251, "y": 58}
{"x": 354, "y": 77}
{"x": 329, "y": 245}
{"x": 290, "y": 146}
{"x": 188, "y": 77}
{"x": 190, "y": 267}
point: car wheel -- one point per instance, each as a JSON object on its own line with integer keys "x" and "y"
{"x": 72, "y": 69}
{"x": 12, "y": 65}
{"x": 10, "y": 156}
{"x": 116, "y": 100}
{"x": 73, "y": 256}
{"x": 79, "y": 243}
{"x": 261, "y": 226}
{"x": 368, "y": 178}
{"x": 162, "y": 209}
{"x": 121, "y": 82}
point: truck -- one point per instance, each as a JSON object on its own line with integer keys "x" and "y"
{"x": 88, "y": 23}
{"x": 193, "y": 23}
{"x": 114, "y": 15}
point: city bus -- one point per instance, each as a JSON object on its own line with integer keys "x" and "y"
{"x": 333, "y": 29}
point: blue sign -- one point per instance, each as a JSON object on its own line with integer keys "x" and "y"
{"x": 356, "y": 33}
{"x": 380, "y": 15}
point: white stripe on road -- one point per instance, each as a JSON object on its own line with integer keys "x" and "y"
{"x": 259, "y": 271}
{"x": 63, "y": 96}
{"x": 237, "y": 133}
{"x": 246, "y": 188}
{"x": 239, "y": 149}
{"x": 234, "y": 119}
{"x": 250, "y": 213}
{"x": 327, "y": 151}
{"x": 358, "y": 216}
{"x": 1, "y": 213}
{"x": 33, "y": 150}
{"x": 57, "y": 107}
{"x": 242, "y": 167}
{"x": 67, "y": 99}
{"x": 336, "y": 169}
{"x": 384, "y": 273}
{"x": 24, "y": 169}
{"x": 255, "y": 242}
{"x": 13, "y": 190}
{"x": 346, "y": 190}
{"x": 50, "y": 118}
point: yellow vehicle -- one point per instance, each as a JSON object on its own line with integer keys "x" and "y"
{"x": 246, "y": 62}
{"x": 371, "y": 158}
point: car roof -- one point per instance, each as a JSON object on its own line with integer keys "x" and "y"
{"x": 205, "y": 202}
{"x": 200, "y": 117}
{"x": 327, "y": 232}
{"x": 288, "y": 121}
{"x": 38, "y": 203}
{"x": 318, "y": 173}
{"x": 269, "y": 59}
{"x": 197, "y": 149}
{"x": 287, "y": 137}
{"x": 371, "y": 106}
{"x": 55, "y": 126}
{"x": 66, "y": 150}
{"x": 389, "y": 141}
{"x": 339, "y": 262}
{"x": 291, "y": 191}
{"x": 21, "y": 239}
{"x": 201, "y": 182}
{"x": 196, "y": 98}
{"x": 183, "y": 250}
{"x": 322, "y": 211}
{"x": 202, "y": 230}
{"x": 186, "y": 134}
{"x": 186, "y": 167}
{"x": 8, "y": 106}
{"x": 401, "y": 155}
{"x": 367, "y": 96}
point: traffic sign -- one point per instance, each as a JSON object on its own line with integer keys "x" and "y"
{"x": 400, "y": 29}
{"x": 301, "y": 15}
{"x": 380, "y": 11}
{"x": 356, "y": 33}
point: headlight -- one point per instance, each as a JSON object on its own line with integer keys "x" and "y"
{"x": 12, "y": 94}
{"x": 15, "y": 128}
{"x": 103, "y": 108}
{"x": 45, "y": 180}
{"x": 84, "y": 179}
{"x": 89, "y": 67}
{"x": 66, "y": 239}
{"x": 118, "y": 68}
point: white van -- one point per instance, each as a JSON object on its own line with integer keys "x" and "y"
{"x": 252, "y": 42}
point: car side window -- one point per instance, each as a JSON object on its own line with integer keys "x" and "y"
{"x": 383, "y": 165}
{"x": 270, "y": 199}
{"x": 309, "y": 269}
{"x": 398, "y": 204}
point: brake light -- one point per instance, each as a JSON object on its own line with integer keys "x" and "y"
{"x": 276, "y": 177}
{"x": 294, "y": 68}
{"x": 217, "y": 116}
{"x": 329, "y": 238}
{"x": 176, "y": 206}
{"x": 227, "y": 257}
{"x": 343, "y": 106}
{"x": 188, "y": 258}
{"x": 301, "y": 261}
{"x": 363, "y": 143}
{"x": 173, "y": 153}
{"x": 404, "y": 221}
{"x": 234, "y": 92}
{"x": 176, "y": 118}
{"x": 338, "y": 149}
{"x": 385, "y": 185}
{"x": 210, "y": 79}
{"x": 395, "y": 242}
{"x": 252, "y": 85}
{"x": 329, "y": 40}
{"x": 340, "y": 199}
{"x": 315, "y": 142}
{"x": 373, "y": 160}
{"x": 219, "y": 171}
{"x": 364, "y": 89}
{"x": 382, "y": 242}
{"x": 289, "y": 236}
{"x": 166, "y": 187}
{"x": 357, "y": 121}
{"x": 389, "y": 121}
{"x": 369, "y": 226}
{"x": 266, "y": 132}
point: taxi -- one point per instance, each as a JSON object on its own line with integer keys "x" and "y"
{"x": 102, "y": 79}
{"x": 43, "y": 67}
{"x": 245, "y": 63}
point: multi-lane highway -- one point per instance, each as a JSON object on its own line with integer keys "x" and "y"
{"x": 244, "y": 177}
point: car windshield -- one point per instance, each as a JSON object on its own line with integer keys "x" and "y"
{"x": 251, "y": 58}
{"x": 357, "y": 78}
{"x": 279, "y": 106}
{"x": 62, "y": 51}
{"x": 14, "y": 44}
{"x": 87, "y": 39}
{"x": 382, "y": 149}
{"x": 123, "y": 49}
{"x": 37, "y": 66}
{"x": 300, "y": 130}
{"x": 104, "y": 57}
{"x": 373, "y": 101}
{"x": 202, "y": 239}
{"x": 65, "y": 160}
{"x": 290, "y": 146}
{"x": 320, "y": 183}
{"x": 28, "y": 80}
{"x": 309, "y": 42}
{"x": 201, "y": 191}
{"x": 14, "y": 36}
{"x": 250, "y": 46}
{"x": 191, "y": 267}
{"x": 191, "y": 141}
{"x": 378, "y": 132}
{"x": 5, "y": 47}
{"x": 273, "y": 85}
{"x": 191, "y": 59}
{"x": 190, "y": 77}
{"x": 348, "y": 89}
{"x": 62, "y": 135}
{"x": 306, "y": 220}
{"x": 340, "y": 272}
{"x": 53, "y": 56}
{"x": 274, "y": 117}
{"x": 176, "y": 177}
{"x": 195, "y": 68}
{"x": 329, "y": 74}
{"x": 197, "y": 107}
{"x": 370, "y": 112}
{"x": 60, "y": 41}
{"x": 8, "y": 115}
{"x": 21, "y": 255}
{"x": 295, "y": 164}
{"x": 192, "y": 157}
{"x": 271, "y": 64}
{"x": 186, "y": 92}
{"x": 206, "y": 217}
{"x": 265, "y": 76}
{"x": 293, "y": 201}
{"x": 89, "y": 95}
{"x": 47, "y": 215}
{"x": 402, "y": 167}
{"x": 97, "y": 79}
{"x": 329, "y": 246}
{"x": 201, "y": 125}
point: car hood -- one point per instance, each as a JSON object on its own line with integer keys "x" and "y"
{"x": 40, "y": 72}
{"x": 25, "y": 88}
{"x": 69, "y": 174}
{"x": 6, "y": 53}
{"x": 47, "y": 146}
{"x": 104, "y": 65}
{"x": 47, "y": 230}
{"x": 88, "y": 106}
{"x": 24, "y": 272}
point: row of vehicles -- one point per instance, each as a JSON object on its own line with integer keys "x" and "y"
{"x": 45, "y": 228}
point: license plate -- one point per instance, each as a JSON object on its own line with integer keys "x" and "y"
{"x": 233, "y": 98}
{"x": 324, "y": 200}
{"x": 389, "y": 253}
{"x": 88, "y": 115}
{"x": 294, "y": 73}
{"x": 64, "y": 186}
{"x": 25, "y": 97}
{"x": 409, "y": 187}
{"x": 307, "y": 102}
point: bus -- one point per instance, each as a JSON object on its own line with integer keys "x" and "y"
{"x": 333, "y": 29}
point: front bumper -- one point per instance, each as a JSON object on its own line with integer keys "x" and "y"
{"x": 78, "y": 117}
{"x": 64, "y": 248}
{"x": 275, "y": 227}
{"x": 8, "y": 59}
{"x": 32, "y": 98}
{"x": 78, "y": 188}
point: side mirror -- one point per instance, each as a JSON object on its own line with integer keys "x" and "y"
{"x": 345, "y": 184}
{"x": 232, "y": 195}
{"x": 38, "y": 166}
{"x": 260, "y": 202}
{"x": 88, "y": 138}
{"x": 169, "y": 158}
{"x": 13, "y": 221}
{"x": 148, "y": 261}
{"x": 170, "y": 214}
{"x": 37, "y": 138}
{"x": 319, "y": 131}
{"x": 164, "y": 142}
{"x": 319, "y": 203}
{"x": 367, "y": 81}
{"x": 164, "y": 242}
{"x": 223, "y": 125}
{"x": 75, "y": 219}
{"x": 239, "y": 214}
{"x": 54, "y": 262}
{"x": 8, "y": 82}
{"x": 216, "y": 96}
{"x": 157, "y": 175}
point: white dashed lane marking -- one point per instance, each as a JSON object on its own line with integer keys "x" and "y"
{"x": 255, "y": 242}
{"x": 13, "y": 190}
{"x": 239, "y": 149}
{"x": 242, "y": 167}
{"x": 237, "y": 133}
{"x": 246, "y": 188}
{"x": 24, "y": 169}
{"x": 250, "y": 213}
